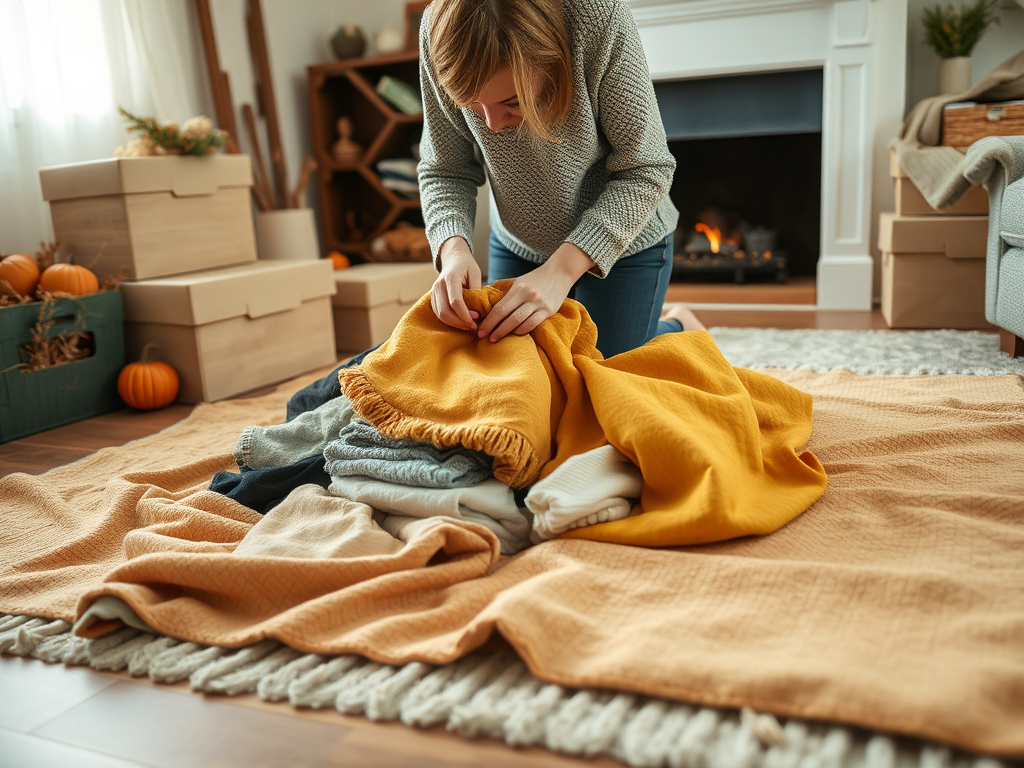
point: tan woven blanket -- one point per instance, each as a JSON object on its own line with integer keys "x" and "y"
{"x": 896, "y": 602}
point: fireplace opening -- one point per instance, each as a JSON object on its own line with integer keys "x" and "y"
{"x": 748, "y": 175}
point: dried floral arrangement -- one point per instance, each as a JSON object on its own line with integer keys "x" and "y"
{"x": 196, "y": 137}
{"x": 954, "y": 31}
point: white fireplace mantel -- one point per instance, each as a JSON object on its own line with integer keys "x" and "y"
{"x": 861, "y": 47}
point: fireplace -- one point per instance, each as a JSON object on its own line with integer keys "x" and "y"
{"x": 857, "y": 51}
{"x": 748, "y": 175}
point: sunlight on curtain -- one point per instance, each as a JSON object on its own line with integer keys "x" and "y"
{"x": 65, "y": 66}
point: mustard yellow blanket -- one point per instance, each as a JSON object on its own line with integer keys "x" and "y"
{"x": 718, "y": 447}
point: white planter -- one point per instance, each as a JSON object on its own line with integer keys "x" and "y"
{"x": 954, "y": 75}
{"x": 287, "y": 234}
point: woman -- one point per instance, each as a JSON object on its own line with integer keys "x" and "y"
{"x": 554, "y": 99}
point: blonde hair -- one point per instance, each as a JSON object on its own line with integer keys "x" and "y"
{"x": 471, "y": 40}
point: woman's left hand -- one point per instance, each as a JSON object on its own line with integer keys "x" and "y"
{"x": 537, "y": 295}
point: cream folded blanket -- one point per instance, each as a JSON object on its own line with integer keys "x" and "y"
{"x": 490, "y": 504}
{"x": 593, "y": 487}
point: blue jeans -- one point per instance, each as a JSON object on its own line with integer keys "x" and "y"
{"x": 625, "y": 306}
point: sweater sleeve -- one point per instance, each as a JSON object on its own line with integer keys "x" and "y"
{"x": 449, "y": 173}
{"x": 639, "y": 163}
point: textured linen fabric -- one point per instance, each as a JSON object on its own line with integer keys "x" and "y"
{"x": 719, "y": 447}
{"x": 596, "y": 486}
{"x": 360, "y": 449}
{"x": 604, "y": 186}
{"x": 490, "y": 503}
{"x": 895, "y": 603}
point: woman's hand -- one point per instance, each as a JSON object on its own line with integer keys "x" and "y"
{"x": 459, "y": 271}
{"x": 537, "y": 295}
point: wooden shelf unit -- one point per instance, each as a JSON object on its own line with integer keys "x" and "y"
{"x": 355, "y": 207}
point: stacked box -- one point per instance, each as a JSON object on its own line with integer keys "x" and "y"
{"x": 933, "y": 262}
{"x": 227, "y": 331}
{"x": 372, "y": 298}
{"x": 133, "y": 218}
{"x": 31, "y": 401}
{"x": 178, "y": 231}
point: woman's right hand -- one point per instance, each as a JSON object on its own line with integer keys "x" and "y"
{"x": 459, "y": 271}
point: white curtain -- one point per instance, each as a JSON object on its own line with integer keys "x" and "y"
{"x": 65, "y": 67}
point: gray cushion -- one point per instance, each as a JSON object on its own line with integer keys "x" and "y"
{"x": 1011, "y": 220}
{"x": 1010, "y": 304}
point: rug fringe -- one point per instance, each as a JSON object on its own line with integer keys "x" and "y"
{"x": 486, "y": 694}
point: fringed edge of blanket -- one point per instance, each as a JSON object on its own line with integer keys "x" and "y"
{"x": 515, "y": 462}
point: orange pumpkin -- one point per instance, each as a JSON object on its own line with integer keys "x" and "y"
{"x": 20, "y": 272}
{"x": 339, "y": 260}
{"x": 68, "y": 278}
{"x": 148, "y": 384}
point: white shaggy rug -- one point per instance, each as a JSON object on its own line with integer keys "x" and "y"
{"x": 868, "y": 353}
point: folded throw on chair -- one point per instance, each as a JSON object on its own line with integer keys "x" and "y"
{"x": 718, "y": 447}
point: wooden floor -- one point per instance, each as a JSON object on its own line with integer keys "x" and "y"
{"x": 77, "y": 718}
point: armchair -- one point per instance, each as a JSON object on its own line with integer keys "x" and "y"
{"x": 998, "y": 163}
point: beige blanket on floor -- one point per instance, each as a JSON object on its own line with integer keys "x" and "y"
{"x": 896, "y": 602}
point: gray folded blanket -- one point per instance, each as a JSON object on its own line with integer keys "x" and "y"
{"x": 938, "y": 172}
{"x": 362, "y": 450}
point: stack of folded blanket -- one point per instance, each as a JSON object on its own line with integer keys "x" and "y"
{"x": 538, "y": 436}
{"x": 404, "y": 480}
{"x": 399, "y": 175}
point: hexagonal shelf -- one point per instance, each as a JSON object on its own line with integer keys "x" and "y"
{"x": 355, "y": 205}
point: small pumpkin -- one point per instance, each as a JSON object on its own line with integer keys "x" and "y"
{"x": 21, "y": 272}
{"x": 148, "y": 384}
{"x": 340, "y": 260}
{"x": 69, "y": 278}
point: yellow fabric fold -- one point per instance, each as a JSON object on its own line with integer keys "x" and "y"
{"x": 718, "y": 447}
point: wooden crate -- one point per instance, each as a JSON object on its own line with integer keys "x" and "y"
{"x": 31, "y": 401}
{"x": 964, "y": 125}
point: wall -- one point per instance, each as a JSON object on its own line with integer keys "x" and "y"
{"x": 999, "y": 43}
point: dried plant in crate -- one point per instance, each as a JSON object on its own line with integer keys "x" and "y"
{"x": 44, "y": 351}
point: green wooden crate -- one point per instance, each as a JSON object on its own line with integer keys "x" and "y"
{"x": 33, "y": 401}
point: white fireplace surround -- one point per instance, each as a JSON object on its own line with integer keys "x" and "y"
{"x": 861, "y": 47}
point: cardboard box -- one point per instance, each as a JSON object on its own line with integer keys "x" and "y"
{"x": 933, "y": 271}
{"x": 910, "y": 202}
{"x": 228, "y": 331}
{"x": 895, "y": 169}
{"x": 143, "y": 217}
{"x": 31, "y": 401}
{"x": 959, "y": 237}
{"x": 372, "y": 298}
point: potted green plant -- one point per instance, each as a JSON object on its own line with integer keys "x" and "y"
{"x": 953, "y": 32}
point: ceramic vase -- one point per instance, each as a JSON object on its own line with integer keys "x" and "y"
{"x": 348, "y": 42}
{"x": 954, "y": 75}
{"x": 287, "y": 234}
{"x": 388, "y": 40}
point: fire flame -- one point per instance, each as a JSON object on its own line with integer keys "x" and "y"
{"x": 713, "y": 234}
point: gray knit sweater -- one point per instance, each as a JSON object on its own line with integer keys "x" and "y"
{"x": 603, "y": 187}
